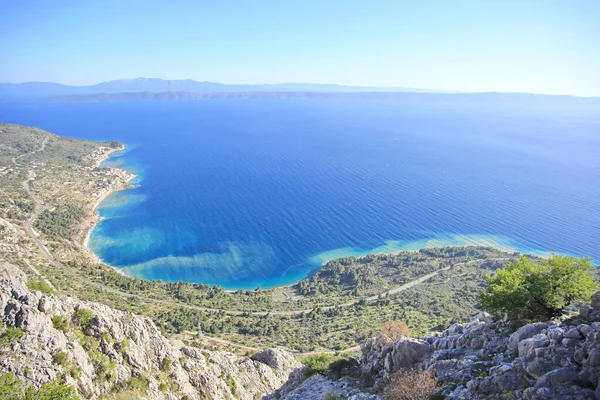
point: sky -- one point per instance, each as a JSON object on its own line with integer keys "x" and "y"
{"x": 543, "y": 46}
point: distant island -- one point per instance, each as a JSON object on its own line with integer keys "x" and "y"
{"x": 49, "y": 89}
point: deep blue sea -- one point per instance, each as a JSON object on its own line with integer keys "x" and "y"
{"x": 244, "y": 193}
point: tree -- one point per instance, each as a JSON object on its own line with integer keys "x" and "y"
{"x": 391, "y": 331}
{"x": 539, "y": 291}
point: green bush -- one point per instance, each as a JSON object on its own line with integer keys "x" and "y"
{"x": 232, "y": 384}
{"x": 40, "y": 286}
{"x": 60, "y": 323}
{"x": 136, "y": 383}
{"x": 84, "y": 317}
{"x": 319, "y": 364}
{"x": 539, "y": 291}
{"x": 11, "y": 388}
{"x": 53, "y": 390}
{"x": 123, "y": 346}
{"x": 60, "y": 358}
{"x": 166, "y": 365}
{"x": 10, "y": 336}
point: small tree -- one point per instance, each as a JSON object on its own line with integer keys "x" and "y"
{"x": 539, "y": 291}
{"x": 391, "y": 331}
{"x": 410, "y": 385}
{"x": 84, "y": 317}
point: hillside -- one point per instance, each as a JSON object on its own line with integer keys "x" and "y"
{"x": 63, "y": 348}
{"x": 48, "y": 339}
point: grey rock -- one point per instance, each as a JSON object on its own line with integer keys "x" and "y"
{"x": 408, "y": 352}
{"x": 192, "y": 371}
{"x": 574, "y": 334}
{"x": 595, "y": 301}
{"x": 524, "y": 332}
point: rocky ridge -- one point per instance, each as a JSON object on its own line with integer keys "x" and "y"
{"x": 482, "y": 359}
{"x": 111, "y": 350}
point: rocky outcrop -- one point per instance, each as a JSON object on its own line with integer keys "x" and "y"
{"x": 100, "y": 350}
{"x": 488, "y": 359}
{"x": 482, "y": 359}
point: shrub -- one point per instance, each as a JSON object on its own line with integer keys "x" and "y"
{"x": 136, "y": 383}
{"x": 166, "y": 365}
{"x": 539, "y": 291}
{"x": 391, "y": 331}
{"x": 342, "y": 367}
{"x": 319, "y": 364}
{"x": 60, "y": 323}
{"x": 10, "y": 336}
{"x": 40, "y": 286}
{"x": 123, "y": 346}
{"x": 11, "y": 388}
{"x": 231, "y": 384}
{"x": 60, "y": 358}
{"x": 84, "y": 317}
{"x": 53, "y": 390}
{"x": 409, "y": 385}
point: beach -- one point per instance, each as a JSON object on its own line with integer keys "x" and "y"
{"x": 121, "y": 183}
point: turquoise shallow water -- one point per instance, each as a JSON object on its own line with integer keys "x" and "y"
{"x": 261, "y": 192}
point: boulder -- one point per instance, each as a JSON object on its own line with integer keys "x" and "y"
{"x": 524, "y": 332}
{"x": 595, "y": 301}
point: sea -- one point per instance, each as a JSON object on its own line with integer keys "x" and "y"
{"x": 261, "y": 192}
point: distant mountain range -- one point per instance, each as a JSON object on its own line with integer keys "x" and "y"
{"x": 47, "y": 89}
{"x": 159, "y": 89}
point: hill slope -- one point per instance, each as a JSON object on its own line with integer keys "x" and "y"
{"x": 99, "y": 351}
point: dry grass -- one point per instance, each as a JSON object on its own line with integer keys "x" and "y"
{"x": 410, "y": 385}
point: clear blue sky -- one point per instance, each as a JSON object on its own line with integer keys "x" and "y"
{"x": 540, "y": 46}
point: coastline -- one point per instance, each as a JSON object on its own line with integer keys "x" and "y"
{"x": 122, "y": 179}
{"x": 94, "y": 218}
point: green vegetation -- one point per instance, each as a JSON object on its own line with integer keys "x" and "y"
{"x": 60, "y": 358}
{"x": 58, "y": 223}
{"x": 231, "y": 384}
{"x": 10, "y": 336}
{"x": 83, "y": 317}
{"x": 319, "y": 364}
{"x": 11, "y": 388}
{"x": 138, "y": 383}
{"x": 375, "y": 273}
{"x": 40, "y": 286}
{"x": 60, "y": 323}
{"x": 539, "y": 290}
{"x": 123, "y": 346}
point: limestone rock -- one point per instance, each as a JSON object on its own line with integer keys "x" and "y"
{"x": 117, "y": 346}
